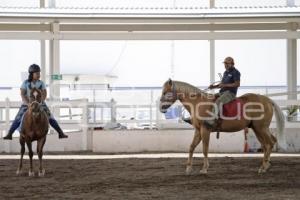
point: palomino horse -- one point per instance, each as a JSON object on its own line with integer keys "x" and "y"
{"x": 258, "y": 113}
{"x": 35, "y": 126}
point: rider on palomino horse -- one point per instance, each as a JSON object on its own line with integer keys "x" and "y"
{"x": 33, "y": 82}
{"x": 229, "y": 86}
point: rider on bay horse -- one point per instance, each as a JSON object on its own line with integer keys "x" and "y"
{"x": 33, "y": 82}
{"x": 229, "y": 86}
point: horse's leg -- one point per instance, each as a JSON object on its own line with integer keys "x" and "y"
{"x": 196, "y": 141}
{"x": 270, "y": 140}
{"x": 22, "y": 142}
{"x": 273, "y": 138}
{"x": 205, "y": 134}
{"x": 266, "y": 140}
{"x": 30, "y": 153}
{"x": 40, "y": 145}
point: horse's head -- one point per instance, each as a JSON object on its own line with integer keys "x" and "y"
{"x": 35, "y": 95}
{"x": 35, "y": 100}
{"x": 35, "y": 108}
{"x": 168, "y": 97}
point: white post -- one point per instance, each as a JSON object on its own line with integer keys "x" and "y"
{"x": 151, "y": 110}
{"x": 54, "y": 57}
{"x": 172, "y": 59}
{"x": 158, "y": 115}
{"x": 102, "y": 115}
{"x": 292, "y": 60}
{"x": 43, "y": 51}
{"x": 85, "y": 137}
{"x": 7, "y": 106}
{"x": 113, "y": 111}
{"x": 292, "y": 68}
{"x": 212, "y": 51}
{"x": 54, "y": 86}
{"x": 54, "y": 63}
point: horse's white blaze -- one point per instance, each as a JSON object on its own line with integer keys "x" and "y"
{"x": 35, "y": 93}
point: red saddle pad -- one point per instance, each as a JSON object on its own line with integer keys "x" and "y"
{"x": 232, "y": 108}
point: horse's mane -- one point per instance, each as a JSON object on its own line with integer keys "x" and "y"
{"x": 188, "y": 88}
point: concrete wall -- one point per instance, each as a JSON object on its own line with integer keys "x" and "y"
{"x": 161, "y": 141}
{"x": 148, "y": 140}
{"x": 73, "y": 143}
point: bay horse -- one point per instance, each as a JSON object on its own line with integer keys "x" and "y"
{"x": 257, "y": 114}
{"x": 34, "y": 126}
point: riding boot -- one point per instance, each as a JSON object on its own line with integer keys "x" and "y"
{"x": 8, "y": 136}
{"x": 55, "y": 125}
{"x": 210, "y": 124}
{"x": 61, "y": 134}
{"x": 12, "y": 129}
{"x": 187, "y": 120}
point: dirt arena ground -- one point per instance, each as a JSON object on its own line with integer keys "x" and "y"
{"x": 228, "y": 178}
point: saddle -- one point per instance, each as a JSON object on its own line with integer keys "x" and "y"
{"x": 233, "y": 109}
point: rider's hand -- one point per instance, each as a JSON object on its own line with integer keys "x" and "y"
{"x": 221, "y": 85}
{"x": 211, "y": 86}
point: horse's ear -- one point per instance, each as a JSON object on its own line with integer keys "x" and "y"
{"x": 170, "y": 82}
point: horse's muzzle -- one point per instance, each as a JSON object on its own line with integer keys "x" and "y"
{"x": 163, "y": 106}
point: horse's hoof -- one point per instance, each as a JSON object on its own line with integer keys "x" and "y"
{"x": 262, "y": 170}
{"x": 188, "y": 170}
{"x": 31, "y": 174}
{"x": 203, "y": 171}
{"x": 42, "y": 173}
{"x": 18, "y": 172}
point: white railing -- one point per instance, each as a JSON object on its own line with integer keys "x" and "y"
{"x": 81, "y": 124}
{"x": 85, "y": 120}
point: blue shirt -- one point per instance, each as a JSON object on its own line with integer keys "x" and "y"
{"x": 230, "y": 76}
{"x": 26, "y": 85}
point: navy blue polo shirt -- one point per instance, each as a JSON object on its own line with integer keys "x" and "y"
{"x": 230, "y": 76}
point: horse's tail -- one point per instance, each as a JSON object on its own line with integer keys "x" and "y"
{"x": 280, "y": 122}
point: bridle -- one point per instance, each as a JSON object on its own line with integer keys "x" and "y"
{"x": 173, "y": 92}
{"x": 35, "y": 93}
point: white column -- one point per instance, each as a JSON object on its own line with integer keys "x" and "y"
{"x": 85, "y": 135}
{"x": 54, "y": 63}
{"x": 212, "y": 51}
{"x": 7, "y": 144}
{"x": 292, "y": 68}
{"x": 43, "y": 51}
{"x": 292, "y": 59}
{"x": 172, "y": 59}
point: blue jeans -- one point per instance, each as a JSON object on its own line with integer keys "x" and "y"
{"x": 18, "y": 119}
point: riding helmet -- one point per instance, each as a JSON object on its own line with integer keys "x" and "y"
{"x": 34, "y": 68}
